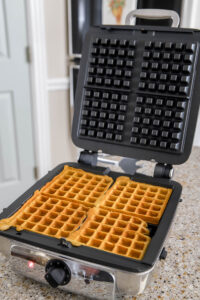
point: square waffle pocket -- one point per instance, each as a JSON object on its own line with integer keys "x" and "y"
{"x": 113, "y": 232}
{"x": 47, "y": 215}
{"x": 142, "y": 200}
{"x": 78, "y": 185}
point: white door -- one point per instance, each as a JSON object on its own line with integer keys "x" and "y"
{"x": 16, "y": 136}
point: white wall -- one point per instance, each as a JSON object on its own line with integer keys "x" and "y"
{"x": 190, "y": 19}
{"x": 56, "y": 37}
{"x": 58, "y": 83}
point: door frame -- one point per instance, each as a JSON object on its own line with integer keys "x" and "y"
{"x": 38, "y": 77}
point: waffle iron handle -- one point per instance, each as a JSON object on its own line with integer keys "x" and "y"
{"x": 153, "y": 14}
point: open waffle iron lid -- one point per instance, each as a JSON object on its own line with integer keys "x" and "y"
{"x": 138, "y": 92}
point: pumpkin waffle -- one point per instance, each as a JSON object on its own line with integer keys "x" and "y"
{"x": 78, "y": 185}
{"x": 142, "y": 200}
{"x": 47, "y": 215}
{"x": 113, "y": 232}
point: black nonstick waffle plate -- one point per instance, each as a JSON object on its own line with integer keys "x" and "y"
{"x": 138, "y": 92}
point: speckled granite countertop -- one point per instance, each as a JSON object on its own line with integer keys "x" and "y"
{"x": 178, "y": 276}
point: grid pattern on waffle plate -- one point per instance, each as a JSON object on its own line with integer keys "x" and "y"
{"x": 113, "y": 232}
{"x": 47, "y": 215}
{"x": 159, "y": 122}
{"x": 158, "y": 73}
{"x": 104, "y": 114}
{"x": 167, "y": 67}
{"x": 144, "y": 201}
{"x": 78, "y": 185}
{"x": 111, "y": 63}
{"x": 111, "y": 67}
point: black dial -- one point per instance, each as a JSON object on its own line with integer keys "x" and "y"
{"x": 57, "y": 273}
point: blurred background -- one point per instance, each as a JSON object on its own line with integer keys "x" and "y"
{"x": 40, "y": 51}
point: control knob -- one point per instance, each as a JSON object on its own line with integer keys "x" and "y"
{"x": 57, "y": 273}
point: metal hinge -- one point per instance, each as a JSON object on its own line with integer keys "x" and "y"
{"x": 28, "y": 54}
{"x": 163, "y": 171}
{"x": 35, "y": 172}
{"x": 128, "y": 165}
{"x": 88, "y": 157}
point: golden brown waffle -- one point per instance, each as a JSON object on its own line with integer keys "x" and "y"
{"x": 144, "y": 201}
{"x": 47, "y": 215}
{"x": 113, "y": 232}
{"x": 78, "y": 185}
{"x": 78, "y": 206}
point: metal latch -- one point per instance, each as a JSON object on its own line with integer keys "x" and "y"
{"x": 163, "y": 171}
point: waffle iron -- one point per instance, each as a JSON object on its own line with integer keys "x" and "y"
{"x": 137, "y": 97}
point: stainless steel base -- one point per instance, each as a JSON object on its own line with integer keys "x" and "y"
{"x": 110, "y": 284}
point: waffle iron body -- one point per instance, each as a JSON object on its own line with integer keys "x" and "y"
{"x": 100, "y": 274}
{"x": 137, "y": 97}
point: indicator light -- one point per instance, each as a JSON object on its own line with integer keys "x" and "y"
{"x": 31, "y": 264}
